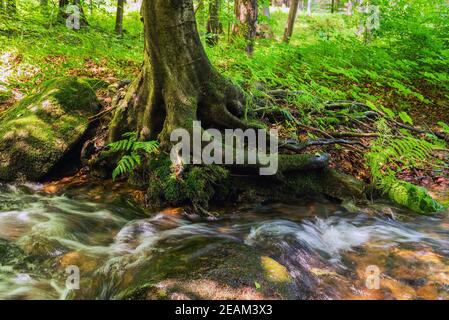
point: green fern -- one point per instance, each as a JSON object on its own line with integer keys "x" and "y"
{"x": 130, "y": 146}
{"x": 388, "y": 155}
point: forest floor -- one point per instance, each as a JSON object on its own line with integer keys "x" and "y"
{"x": 330, "y": 78}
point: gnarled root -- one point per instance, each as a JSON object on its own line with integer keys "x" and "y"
{"x": 155, "y": 113}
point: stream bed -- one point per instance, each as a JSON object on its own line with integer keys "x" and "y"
{"x": 306, "y": 250}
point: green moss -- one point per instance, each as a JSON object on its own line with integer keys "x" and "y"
{"x": 413, "y": 197}
{"x": 5, "y": 95}
{"x": 227, "y": 265}
{"x": 196, "y": 185}
{"x": 38, "y": 131}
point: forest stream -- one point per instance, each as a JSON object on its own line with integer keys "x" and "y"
{"x": 324, "y": 247}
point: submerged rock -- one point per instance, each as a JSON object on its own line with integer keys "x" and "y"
{"x": 41, "y": 129}
{"x": 228, "y": 270}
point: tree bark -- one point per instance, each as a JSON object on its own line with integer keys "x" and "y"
{"x": 213, "y": 24}
{"x": 309, "y": 8}
{"x": 349, "y": 6}
{"x": 291, "y": 20}
{"x": 177, "y": 83}
{"x": 246, "y": 12}
{"x": 119, "y": 17}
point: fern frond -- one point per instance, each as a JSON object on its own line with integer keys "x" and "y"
{"x": 130, "y": 147}
{"x": 406, "y": 152}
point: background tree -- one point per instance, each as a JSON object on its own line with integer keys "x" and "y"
{"x": 214, "y": 27}
{"x": 177, "y": 83}
{"x": 291, "y": 20}
{"x": 119, "y": 17}
{"x": 309, "y": 8}
{"x": 246, "y": 12}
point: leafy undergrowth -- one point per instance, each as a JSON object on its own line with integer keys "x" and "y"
{"x": 34, "y": 48}
{"x": 340, "y": 85}
{"x": 330, "y": 82}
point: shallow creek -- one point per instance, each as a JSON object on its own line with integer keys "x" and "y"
{"x": 307, "y": 250}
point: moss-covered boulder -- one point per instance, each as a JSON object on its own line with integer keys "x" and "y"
{"x": 36, "y": 133}
{"x": 221, "y": 270}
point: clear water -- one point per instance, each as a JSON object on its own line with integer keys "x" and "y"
{"x": 325, "y": 248}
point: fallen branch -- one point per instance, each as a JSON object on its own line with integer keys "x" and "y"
{"x": 300, "y": 146}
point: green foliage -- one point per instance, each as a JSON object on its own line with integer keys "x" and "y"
{"x": 195, "y": 185}
{"x": 131, "y": 158}
{"x": 39, "y": 48}
{"x": 390, "y": 155}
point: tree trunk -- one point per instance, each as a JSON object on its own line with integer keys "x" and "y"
{"x": 177, "y": 83}
{"x": 349, "y": 6}
{"x": 119, "y": 17}
{"x": 213, "y": 24}
{"x": 309, "y": 8}
{"x": 246, "y": 12}
{"x": 291, "y": 20}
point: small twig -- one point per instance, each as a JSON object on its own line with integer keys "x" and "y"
{"x": 101, "y": 114}
{"x": 324, "y": 133}
{"x": 355, "y": 134}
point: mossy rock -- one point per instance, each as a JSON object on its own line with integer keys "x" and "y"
{"x": 413, "y": 197}
{"x": 224, "y": 270}
{"x": 36, "y": 133}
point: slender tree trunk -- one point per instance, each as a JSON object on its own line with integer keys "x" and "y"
{"x": 213, "y": 24}
{"x": 119, "y": 17}
{"x": 291, "y": 20}
{"x": 266, "y": 12}
{"x": 62, "y": 15}
{"x": 246, "y": 12}
{"x": 349, "y": 6}
{"x": 177, "y": 83}
{"x": 309, "y": 8}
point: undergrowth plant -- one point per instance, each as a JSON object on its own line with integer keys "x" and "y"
{"x": 390, "y": 155}
{"x": 133, "y": 151}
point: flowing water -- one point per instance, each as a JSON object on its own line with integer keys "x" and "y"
{"x": 327, "y": 251}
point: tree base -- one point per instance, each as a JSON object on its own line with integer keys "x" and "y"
{"x": 201, "y": 186}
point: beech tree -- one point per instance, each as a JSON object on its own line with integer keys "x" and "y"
{"x": 309, "y": 8}
{"x": 246, "y": 12}
{"x": 213, "y": 24}
{"x": 178, "y": 85}
{"x": 291, "y": 20}
{"x": 119, "y": 17}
